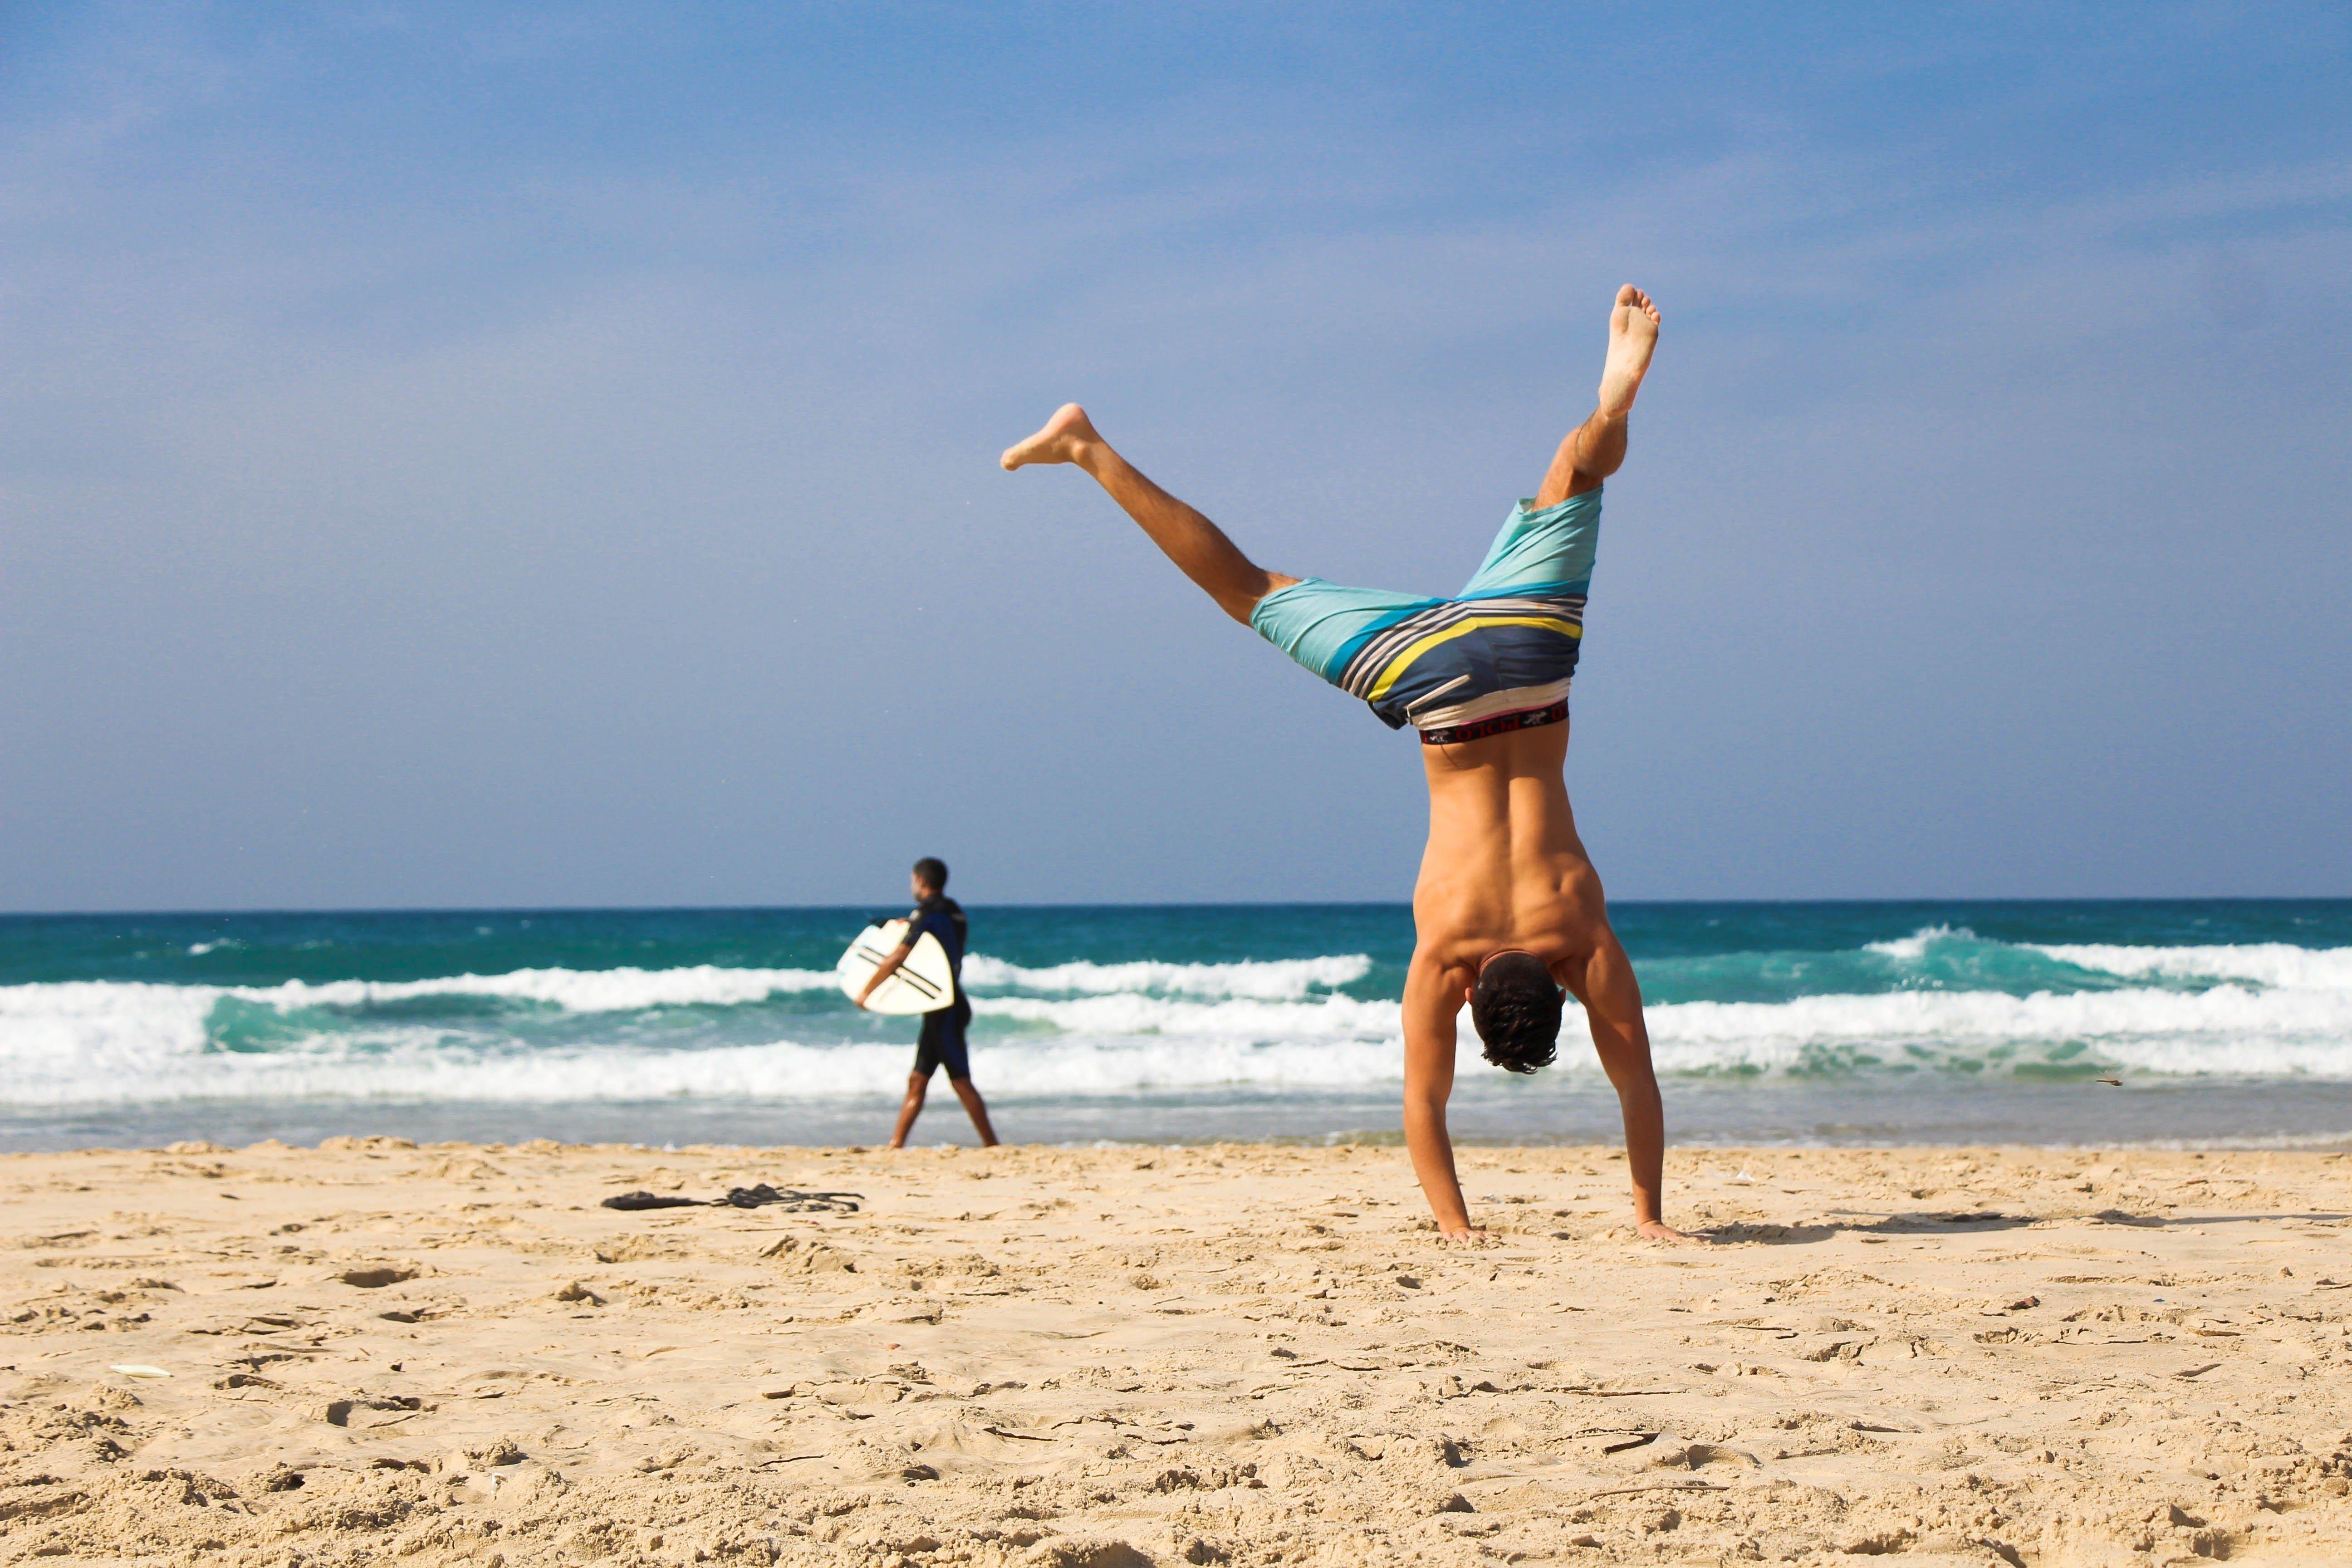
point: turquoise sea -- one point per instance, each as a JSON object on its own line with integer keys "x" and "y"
{"x": 2226, "y": 1022}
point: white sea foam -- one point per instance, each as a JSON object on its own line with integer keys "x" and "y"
{"x": 413, "y": 1065}
{"x": 96, "y": 1029}
{"x": 1130, "y": 1016}
{"x": 633, "y": 990}
{"x": 2258, "y": 1010}
{"x": 1916, "y": 945}
{"x": 1265, "y": 979}
{"x": 2271, "y": 964}
{"x": 110, "y": 1005}
{"x": 573, "y": 990}
{"x": 2275, "y": 964}
{"x": 2228, "y": 1029}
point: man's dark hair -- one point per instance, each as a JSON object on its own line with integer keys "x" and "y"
{"x": 1515, "y": 1006}
{"x": 934, "y": 873}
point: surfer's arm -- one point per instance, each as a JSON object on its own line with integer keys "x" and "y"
{"x": 883, "y": 971}
{"x": 1431, "y": 1002}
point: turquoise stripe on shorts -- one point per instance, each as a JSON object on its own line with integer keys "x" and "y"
{"x": 1548, "y": 553}
{"x": 1322, "y": 624}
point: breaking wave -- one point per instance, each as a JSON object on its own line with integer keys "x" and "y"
{"x": 1941, "y": 1000}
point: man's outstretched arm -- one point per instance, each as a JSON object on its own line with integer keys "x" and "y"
{"x": 1433, "y": 1001}
{"x": 1604, "y": 981}
{"x": 884, "y": 970}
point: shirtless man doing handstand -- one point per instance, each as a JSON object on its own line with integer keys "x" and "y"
{"x": 1508, "y": 909}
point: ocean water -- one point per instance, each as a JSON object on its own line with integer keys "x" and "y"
{"x": 2226, "y": 1023}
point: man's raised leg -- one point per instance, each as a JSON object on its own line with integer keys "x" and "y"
{"x": 1198, "y": 546}
{"x": 1613, "y": 1007}
{"x": 1596, "y": 448}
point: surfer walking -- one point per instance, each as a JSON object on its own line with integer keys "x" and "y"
{"x": 1508, "y": 910}
{"x": 942, "y": 1040}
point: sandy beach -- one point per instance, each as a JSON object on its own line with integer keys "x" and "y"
{"x": 1232, "y": 1354}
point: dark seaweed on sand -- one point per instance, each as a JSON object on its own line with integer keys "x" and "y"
{"x": 794, "y": 1199}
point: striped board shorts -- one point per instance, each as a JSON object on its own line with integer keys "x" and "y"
{"x": 1498, "y": 655}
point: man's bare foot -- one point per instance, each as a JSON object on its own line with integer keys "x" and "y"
{"x": 1633, "y": 338}
{"x": 1063, "y": 441}
{"x": 1659, "y": 1230}
{"x": 1473, "y": 1236}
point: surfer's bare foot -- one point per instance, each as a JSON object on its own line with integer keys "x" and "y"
{"x": 1633, "y": 338}
{"x": 1064, "y": 440}
{"x": 1659, "y": 1230}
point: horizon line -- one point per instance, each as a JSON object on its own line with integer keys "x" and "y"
{"x": 196, "y": 912}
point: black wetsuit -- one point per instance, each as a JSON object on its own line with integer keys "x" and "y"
{"x": 942, "y": 1043}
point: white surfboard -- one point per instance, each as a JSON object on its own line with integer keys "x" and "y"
{"x": 924, "y": 983}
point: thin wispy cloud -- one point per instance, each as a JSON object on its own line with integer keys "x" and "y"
{"x": 455, "y": 459}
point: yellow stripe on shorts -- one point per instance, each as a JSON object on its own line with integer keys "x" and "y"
{"x": 1403, "y": 661}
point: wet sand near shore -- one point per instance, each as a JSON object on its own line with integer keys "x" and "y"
{"x": 1234, "y": 1353}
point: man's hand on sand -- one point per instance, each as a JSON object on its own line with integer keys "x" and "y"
{"x": 1659, "y": 1230}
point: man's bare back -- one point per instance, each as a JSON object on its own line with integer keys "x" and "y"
{"x": 1504, "y": 873}
{"x": 1504, "y": 867}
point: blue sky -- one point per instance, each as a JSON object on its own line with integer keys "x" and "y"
{"x": 464, "y": 454}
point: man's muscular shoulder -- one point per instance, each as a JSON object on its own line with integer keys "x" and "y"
{"x": 1453, "y": 966}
